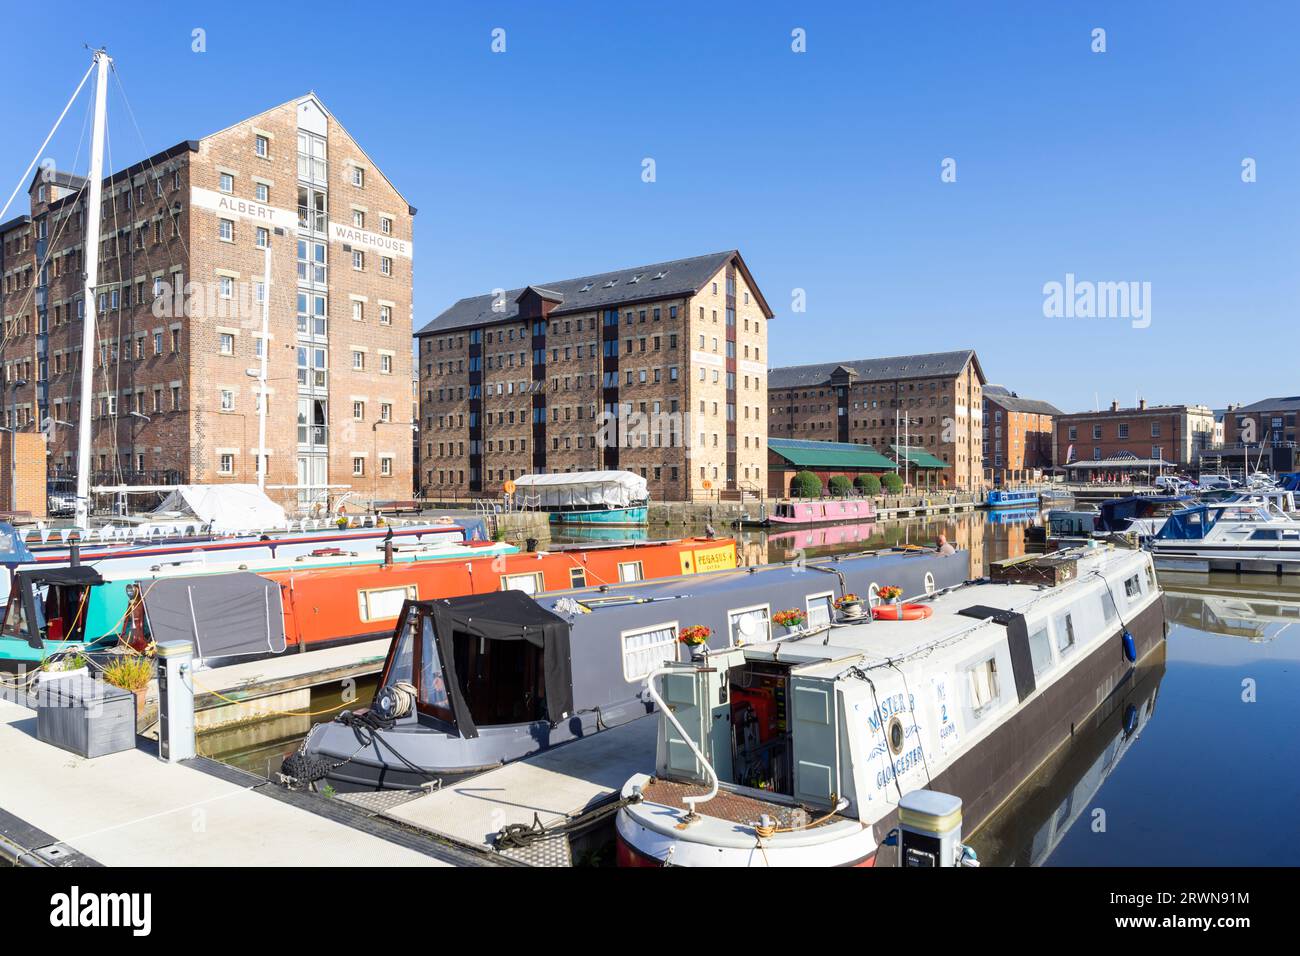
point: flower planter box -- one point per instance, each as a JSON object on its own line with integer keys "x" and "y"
{"x": 84, "y": 716}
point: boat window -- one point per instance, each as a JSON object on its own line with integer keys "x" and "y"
{"x": 577, "y": 577}
{"x": 15, "y": 624}
{"x": 1151, "y": 578}
{"x": 432, "y": 684}
{"x": 820, "y": 612}
{"x": 629, "y": 571}
{"x": 984, "y": 691}
{"x": 1040, "y": 650}
{"x": 1108, "y": 609}
{"x": 749, "y": 625}
{"x": 401, "y": 667}
{"x": 1132, "y": 588}
{"x": 1265, "y": 534}
{"x": 1065, "y": 633}
{"x": 929, "y": 583}
{"x": 382, "y": 604}
{"x": 646, "y": 648}
{"x": 529, "y": 583}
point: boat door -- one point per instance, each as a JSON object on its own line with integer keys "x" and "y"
{"x": 700, "y": 700}
{"x": 815, "y": 732}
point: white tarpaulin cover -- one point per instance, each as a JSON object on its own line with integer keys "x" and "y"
{"x": 612, "y": 489}
{"x": 224, "y": 508}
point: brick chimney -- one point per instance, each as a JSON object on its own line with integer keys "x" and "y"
{"x": 1114, "y": 406}
{"x": 1142, "y": 404}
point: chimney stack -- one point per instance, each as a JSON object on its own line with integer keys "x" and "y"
{"x": 1142, "y": 404}
{"x": 1114, "y": 406}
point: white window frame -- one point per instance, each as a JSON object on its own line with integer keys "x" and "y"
{"x": 366, "y": 603}
{"x": 809, "y": 599}
{"x": 640, "y": 572}
{"x": 996, "y": 686}
{"x": 511, "y": 582}
{"x": 648, "y": 651}
{"x": 735, "y": 613}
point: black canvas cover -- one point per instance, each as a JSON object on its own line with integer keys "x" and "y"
{"x": 82, "y": 575}
{"x": 510, "y": 616}
{"x": 223, "y": 614}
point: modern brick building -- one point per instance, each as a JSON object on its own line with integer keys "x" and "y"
{"x": 1169, "y": 433}
{"x": 658, "y": 369}
{"x": 179, "y": 312}
{"x": 1017, "y": 435}
{"x": 931, "y": 403}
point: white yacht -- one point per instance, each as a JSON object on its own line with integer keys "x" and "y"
{"x": 1231, "y": 533}
{"x": 810, "y": 752}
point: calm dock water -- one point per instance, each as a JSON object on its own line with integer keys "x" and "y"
{"x": 1192, "y": 762}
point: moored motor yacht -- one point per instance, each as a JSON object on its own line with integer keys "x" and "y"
{"x": 801, "y": 753}
{"x": 1243, "y": 530}
{"x": 474, "y": 682}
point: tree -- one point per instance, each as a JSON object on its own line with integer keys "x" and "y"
{"x": 840, "y": 486}
{"x": 805, "y": 485}
{"x": 868, "y": 484}
{"x": 893, "y": 484}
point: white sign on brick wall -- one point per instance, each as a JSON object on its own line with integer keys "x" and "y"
{"x": 258, "y": 212}
{"x": 369, "y": 241}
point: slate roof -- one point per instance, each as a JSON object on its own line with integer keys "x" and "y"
{"x": 658, "y": 280}
{"x": 1009, "y": 400}
{"x": 830, "y": 454}
{"x": 928, "y": 365}
{"x": 1288, "y": 403}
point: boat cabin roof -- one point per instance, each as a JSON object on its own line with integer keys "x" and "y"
{"x": 874, "y": 643}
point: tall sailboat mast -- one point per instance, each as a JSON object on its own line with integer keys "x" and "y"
{"x": 94, "y": 188}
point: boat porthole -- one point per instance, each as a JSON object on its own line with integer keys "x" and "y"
{"x": 895, "y": 732}
{"x": 929, "y": 583}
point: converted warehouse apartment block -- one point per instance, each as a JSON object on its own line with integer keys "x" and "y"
{"x": 658, "y": 369}
{"x": 179, "y": 313}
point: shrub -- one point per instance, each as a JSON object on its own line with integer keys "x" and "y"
{"x": 892, "y": 483}
{"x": 868, "y": 484}
{"x": 840, "y": 486}
{"x": 129, "y": 671}
{"x": 806, "y": 485}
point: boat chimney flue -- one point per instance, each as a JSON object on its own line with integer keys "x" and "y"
{"x": 388, "y": 548}
{"x": 74, "y": 552}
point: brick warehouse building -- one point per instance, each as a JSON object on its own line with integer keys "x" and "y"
{"x": 1170, "y": 433}
{"x": 1017, "y": 435}
{"x": 658, "y": 369}
{"x": 179, "y": 312}
{"x": 867, "y": 401}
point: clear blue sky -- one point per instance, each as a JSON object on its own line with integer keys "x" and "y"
{"x": 822, "y": 168}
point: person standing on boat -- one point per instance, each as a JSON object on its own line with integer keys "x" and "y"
{"x": 943, "y": 547}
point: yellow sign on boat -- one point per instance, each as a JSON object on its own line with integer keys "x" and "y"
{"x": 721, "y": 558}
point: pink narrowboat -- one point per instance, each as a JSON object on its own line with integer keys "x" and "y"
{"x": 822, "y": 512}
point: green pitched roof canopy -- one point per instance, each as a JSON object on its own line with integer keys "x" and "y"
{"x": 917, "y": 457}
{"x": 830, "y": 454}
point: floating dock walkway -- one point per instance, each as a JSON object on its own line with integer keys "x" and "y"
{"x": 568, "y": 785}
{"x": 131, "y": 809}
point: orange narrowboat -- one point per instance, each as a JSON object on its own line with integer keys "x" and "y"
{"x": 331, "y": 606}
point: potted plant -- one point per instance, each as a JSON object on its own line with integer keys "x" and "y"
{"x": 849, "y": 606}
{"x": 342, "y": 522}
{"x": 70, "y": 665}
{"x": 791, "y": 619}
{"x": 694, "y": 637}
{"x": 890, "y": 593}
{"x": 131, "y": 672}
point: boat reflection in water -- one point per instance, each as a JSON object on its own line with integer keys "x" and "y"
{"x": 1027, "y": 829}
{"x": 1229, "y": 604}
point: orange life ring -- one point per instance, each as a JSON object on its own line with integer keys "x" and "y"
{"x": 901, "y": 612}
